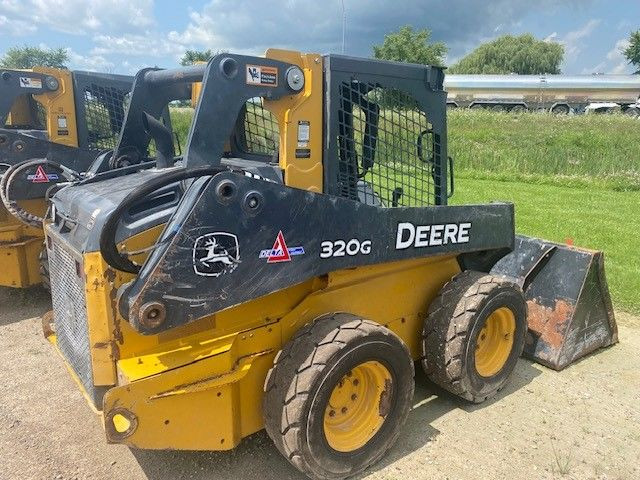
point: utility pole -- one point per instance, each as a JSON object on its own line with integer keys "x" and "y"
{"x": 344, "y": 24}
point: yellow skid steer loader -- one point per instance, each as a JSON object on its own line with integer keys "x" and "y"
{"x": 290, "y": 267}
{"x": 64, "y": 119}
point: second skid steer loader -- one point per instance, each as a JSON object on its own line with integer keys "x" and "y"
{"x": 301, "y": 257}
{"x": 62, "y": 119}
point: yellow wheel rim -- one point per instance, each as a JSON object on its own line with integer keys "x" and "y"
{"x": 358, "y": 406}
{"x": 495, "y": 341}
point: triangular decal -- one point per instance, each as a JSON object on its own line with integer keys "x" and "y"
{"x": 279, "y": 252}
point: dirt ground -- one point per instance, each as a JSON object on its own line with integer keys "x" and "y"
{"x": 582, "y": 423}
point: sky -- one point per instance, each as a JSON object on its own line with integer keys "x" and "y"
{"x": 123, "y": 36}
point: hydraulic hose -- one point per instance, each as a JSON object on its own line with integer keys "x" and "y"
{"x": 108, "y": 246}
{"x": 10, "y": 176}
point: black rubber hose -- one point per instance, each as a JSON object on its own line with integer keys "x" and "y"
{"x": 9, "y": 177}
{"x": 108, "y": 246}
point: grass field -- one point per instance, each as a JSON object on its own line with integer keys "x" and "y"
{"x": 592, "y": 217}
{"x": 585, "y": 150}
{"x": 572, "y": 177}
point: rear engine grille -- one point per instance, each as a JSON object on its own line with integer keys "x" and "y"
{"x": 70, "y": 316}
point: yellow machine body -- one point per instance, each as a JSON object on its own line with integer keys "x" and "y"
{"x": 217, "y": 365}
{"x": 58, "y": 108}
{"x": 200, "y": 387}
{"x": 20, "y": 245}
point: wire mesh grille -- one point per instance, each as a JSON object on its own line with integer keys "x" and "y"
{"x": 386, "y": 147}
{"x": 70, "y": 313}
{"x": 260, "y": 129}
{"x": 104, "y": 108}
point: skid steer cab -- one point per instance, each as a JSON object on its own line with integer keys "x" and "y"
{"x": 54, "y": 123}
{"x": 291, "y": 267}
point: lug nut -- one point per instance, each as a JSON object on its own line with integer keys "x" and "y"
{"x": 356, "y": 382}
{"x": 353, "y": 397}
{"x": 344, "y": 410}
{"x": 332, "y": 413}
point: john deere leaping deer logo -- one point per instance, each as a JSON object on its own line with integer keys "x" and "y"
{"x": 216, "y": 254}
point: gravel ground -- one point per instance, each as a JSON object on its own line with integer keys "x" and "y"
{"x": 582, "y": 423}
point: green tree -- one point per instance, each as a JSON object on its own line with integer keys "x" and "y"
{"x": 413, "y": 46}
{"x": 513, "y": 54}
{"x": 192, "y": 56}
{"x": 29, "y": 57}
{"x": 632, "y": 52}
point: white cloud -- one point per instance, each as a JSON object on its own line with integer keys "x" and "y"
{"x": 574, "y": 41}
{"x": 616, "y": 52}
{"x": 92, "y": 63}
{"x": 81, "y": 16}
{"x": 615, "y": 60}
{"x": 145, "y": 44}
{"x": 15, "y": 28}
{"x": 616, "y": 56}
{"x": 250, "y": 26}
{"x": 552, "y": 37}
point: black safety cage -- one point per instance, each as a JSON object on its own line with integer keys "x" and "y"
{"x": 100, "y": 101}
{"x": 385, "y": 126}
{"x": 254, "y": 136}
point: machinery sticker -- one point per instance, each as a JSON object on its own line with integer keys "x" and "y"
{"x": 216, "y": 254}
{"x": 340, "y": 248}
{"x": 41, "y": 176}
{"x": 303, "y": 133}
{"x": 280, "y": 252}
{"x": 28, "y": 82}
{"x": 418, "y": 236}
{"x": 62, "y": 125}
{"x": 261, "y": 75}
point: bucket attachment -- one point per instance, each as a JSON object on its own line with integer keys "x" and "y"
{"x": 569, "y": 308}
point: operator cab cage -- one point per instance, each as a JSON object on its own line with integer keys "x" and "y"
{"x": 386, "y": 132}
{"x": 99, "y": 101}
{"x": 384, "y": 128}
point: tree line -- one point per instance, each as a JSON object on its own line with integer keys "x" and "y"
{"x": 522, "y": 54}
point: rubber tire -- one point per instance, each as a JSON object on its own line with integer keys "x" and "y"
{"x": 45, "y": 275}
{"x": 300, "y": 382}
{"x": 453, "y": 323}
{"x": 561, "y": 109}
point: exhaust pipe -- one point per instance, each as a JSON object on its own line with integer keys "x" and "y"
{"x": 163, "y": 139}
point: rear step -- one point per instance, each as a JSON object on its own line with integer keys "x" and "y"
{"x": 569, "y": 308}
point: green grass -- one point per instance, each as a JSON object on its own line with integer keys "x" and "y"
{"x": 582, "y": 150}
{"x": 595, "y": 218}
{"x": 181, "y": 123}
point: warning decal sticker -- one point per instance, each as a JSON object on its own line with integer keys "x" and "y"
{"x": 280, "y": 252}
{"x": 28, "y": 82}
{"x": 261, "y": 75}
{"x": 41, "y": 176}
